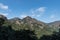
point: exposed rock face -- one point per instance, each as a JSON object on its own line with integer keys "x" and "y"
{"x": 15, "y": 20}
{"x": 33, "y": 22}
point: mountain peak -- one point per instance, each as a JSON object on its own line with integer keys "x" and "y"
{"x": 16, "y": 18}
{"x": 28, "y": 17}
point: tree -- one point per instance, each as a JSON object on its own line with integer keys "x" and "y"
{"x": 54, "y": 36}
{"x": 25, "y": 35}
{"x": 1, "y": 21}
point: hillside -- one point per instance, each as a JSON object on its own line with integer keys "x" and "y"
{"x": 40, "y": 28}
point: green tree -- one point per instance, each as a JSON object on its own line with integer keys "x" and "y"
{"x": 1, "y": 21}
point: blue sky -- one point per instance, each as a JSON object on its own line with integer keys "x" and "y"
{"x": 43, "y": 10}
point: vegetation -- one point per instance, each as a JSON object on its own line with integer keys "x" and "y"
{"x": 13, "y": 31}
{"x": 54, "y": 36}
{"x": 7, "y": 33}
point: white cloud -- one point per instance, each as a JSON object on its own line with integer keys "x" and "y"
{"x": 41, "y": 9}
{"x": 4, "y": 7}
{"x": 38, "y": 12}
{"x": 34, "y": 12}
{"x": 5, "y": 14}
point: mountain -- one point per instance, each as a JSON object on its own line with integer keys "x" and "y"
{"x": 15, "y": 20}
{"x": 28, "y": 23}
{"x": 27, "y": 20}
{"x": 33, "y": 22}
{"x": 3, "y": 17}
{"x": 56, "y": 23}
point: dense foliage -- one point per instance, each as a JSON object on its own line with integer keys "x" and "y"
{"x": 54, "y": 36}
{"x": 7, "y": 33}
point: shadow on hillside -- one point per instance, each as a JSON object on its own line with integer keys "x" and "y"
{"x": 7, "y": 33}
